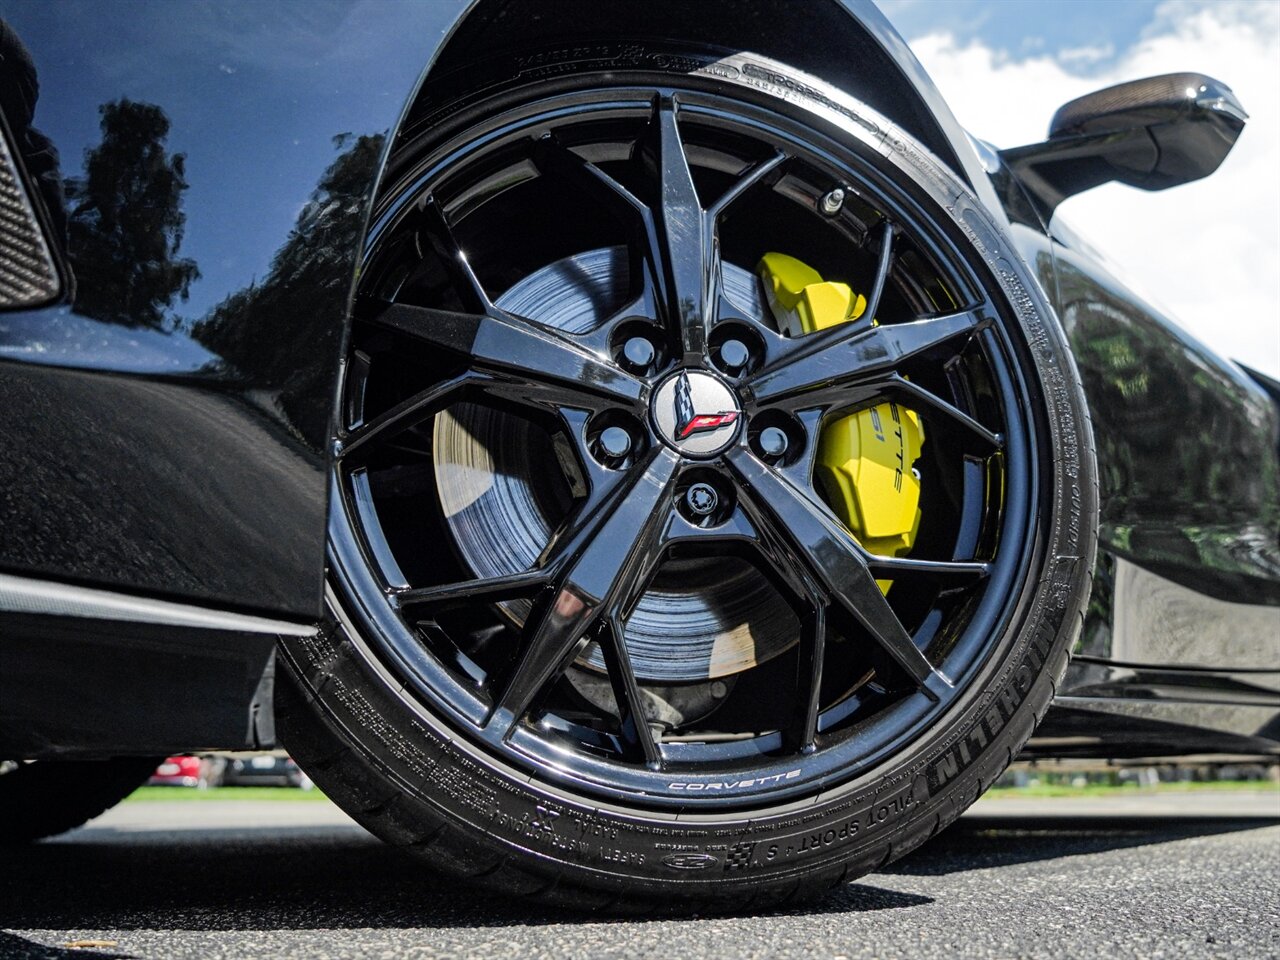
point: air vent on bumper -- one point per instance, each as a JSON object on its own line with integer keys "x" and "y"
{"x": 27, "y": 274}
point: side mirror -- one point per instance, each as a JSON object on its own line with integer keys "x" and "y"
{"x": 1153, "y": 134}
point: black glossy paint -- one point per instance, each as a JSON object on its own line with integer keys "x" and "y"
{"x": 1187, "y": 441}
{"x": 73, "y": 687}
{"x": 1183, "y": 625}
{"x": 167, "y": 427}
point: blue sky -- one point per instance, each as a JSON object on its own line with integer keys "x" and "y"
{"x": 1021, "y": 27}
{"x": 1207, "y": 252}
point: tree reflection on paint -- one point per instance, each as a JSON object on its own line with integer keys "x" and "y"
{"x": 126, "y": 221}
{"x": 310, "y": 275}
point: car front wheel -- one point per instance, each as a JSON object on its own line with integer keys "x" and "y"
{"x": 714, "y": 503}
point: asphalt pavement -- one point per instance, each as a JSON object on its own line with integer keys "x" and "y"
{"x": 1164, "y": 875}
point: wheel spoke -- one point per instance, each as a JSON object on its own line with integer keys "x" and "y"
{"x": 677, "y": 241}
{"x": 813, "y": 639}
{"x": 474, "y": 384}
{"x": 779, "y": 556}
{"x": 890, "y": 568}
{"x": 679, "y": 244}
{"x": 768, "y": 168}
{"x": 501, "y": 342}
{"x": 568, "y": 538}
{"x": 626, "y": 692}
{"x": 836, "y": 562}
{"x": 487, "y": 589}
{"x": 614, "y": 550}
{"x": 553, "y": 158}
{"x": 416, "y": 409}
{"x": 852, "y": 353}
{"x": 882, "y": 271}
{"x": 720, "y": 306}
{"x": 926, "y": 402}
{"x": 434, "y": 226}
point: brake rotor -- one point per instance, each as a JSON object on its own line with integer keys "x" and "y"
{"x": 503, "y": 489}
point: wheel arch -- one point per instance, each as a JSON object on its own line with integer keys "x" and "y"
{"x": 848, "y": 43}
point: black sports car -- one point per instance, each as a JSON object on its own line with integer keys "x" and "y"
{"x": 623, "y": 452}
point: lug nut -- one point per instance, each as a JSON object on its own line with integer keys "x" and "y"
{"x": 832, "y": 202}
{"x": 615, "y": 442}
{"x": 773, "y": 442}
{"x": 734, "y": 355}
{"x": 702, "y": 499}
{"x": 637, "y": 353}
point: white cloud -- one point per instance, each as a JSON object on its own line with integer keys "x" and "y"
{"x": 1208, "y": 253}
{"x": 1084, "y": 56}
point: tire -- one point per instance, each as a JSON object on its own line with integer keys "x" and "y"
{"x": 355, "y": 716}
{"x": 49, "y": 797}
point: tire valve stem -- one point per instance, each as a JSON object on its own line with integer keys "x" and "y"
{"x": 833, "y": 202}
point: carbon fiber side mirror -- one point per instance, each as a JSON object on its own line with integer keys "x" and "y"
{"x": 1152, "y": 134}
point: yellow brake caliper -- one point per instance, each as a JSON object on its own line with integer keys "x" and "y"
{"x": 864, "y": 460}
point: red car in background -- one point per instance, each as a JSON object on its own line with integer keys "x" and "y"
{"x": 263, "y": 770}
{"x": 187, "y": 771}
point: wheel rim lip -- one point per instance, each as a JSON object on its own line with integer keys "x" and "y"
{"x": 641, "y": 787}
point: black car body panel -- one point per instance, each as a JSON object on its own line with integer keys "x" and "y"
{"x": 167, "y": 428}
{"x": 187, "y": 458}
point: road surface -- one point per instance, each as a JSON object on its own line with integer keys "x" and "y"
{"x": 1165, "y": 875}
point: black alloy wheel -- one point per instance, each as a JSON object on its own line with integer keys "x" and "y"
{"x": 578, "y": 558}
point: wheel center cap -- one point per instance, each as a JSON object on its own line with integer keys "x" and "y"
{"x": 696, "y": 413}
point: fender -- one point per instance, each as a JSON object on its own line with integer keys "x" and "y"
{"x": 270, "y": 124}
